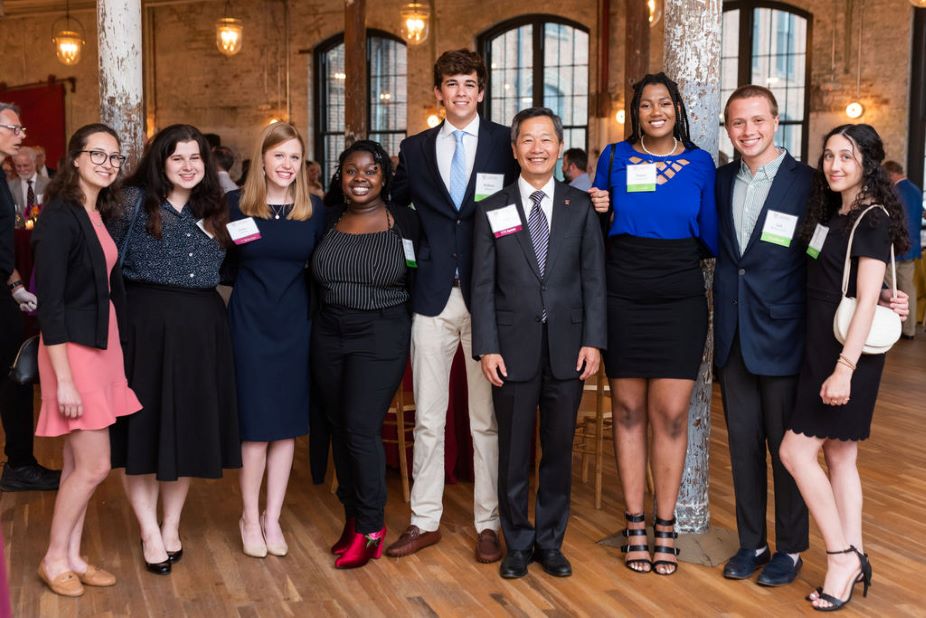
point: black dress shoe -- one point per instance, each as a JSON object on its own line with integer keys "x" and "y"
{"x": 553, "y": 562}
{"x": 31, "y": 477}
{"x": 780, "y": 571}
{"x": 158, "y": 568}
{"x": 514, "y": 564}
{"x": 744, "y": 563}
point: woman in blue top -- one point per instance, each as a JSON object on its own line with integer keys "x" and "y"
{"x": 662, "y": 223}
{"x": 269, "y": 316}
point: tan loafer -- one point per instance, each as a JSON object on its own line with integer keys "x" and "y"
{"x": 96, "y": 577}
{"x": 67, "y": 584}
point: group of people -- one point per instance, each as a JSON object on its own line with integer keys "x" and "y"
{"x": 142, "y": 367}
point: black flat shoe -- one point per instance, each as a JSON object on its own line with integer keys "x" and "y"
{"x": 744, "y": 563}
{"x": 514, "y": 564}
{"x": 158, "y": 568}
{"x": 780, "y": 571}
{"x": 553, "y": 562}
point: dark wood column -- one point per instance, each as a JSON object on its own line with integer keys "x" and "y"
{"x": 636, "y": 56}
{"x": 355, "y": 67}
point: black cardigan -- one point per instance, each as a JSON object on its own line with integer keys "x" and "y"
{"x": 71, "y": 280}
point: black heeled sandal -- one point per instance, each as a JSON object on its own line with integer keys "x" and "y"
{"x": 658, "y": 548}
{"x": 864, "y": 577}
{"x": 634, "y": 532}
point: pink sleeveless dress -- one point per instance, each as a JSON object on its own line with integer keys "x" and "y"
{"x": 99, "y": 375}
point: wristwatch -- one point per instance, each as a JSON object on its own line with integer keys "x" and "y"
{"x": 14, "y": 284}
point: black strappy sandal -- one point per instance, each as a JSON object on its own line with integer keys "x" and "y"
{"x": 658, "y": 548}
{"x": 634, "y": 532}
{"x": 836, "y": 604}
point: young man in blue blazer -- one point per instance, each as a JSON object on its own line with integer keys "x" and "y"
{"x": 444, "y": 172}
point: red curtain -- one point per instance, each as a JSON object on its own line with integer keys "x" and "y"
{"x": 43, "y": 115}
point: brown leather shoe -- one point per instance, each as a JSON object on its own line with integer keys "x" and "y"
{"x": 66, "y": 584}
{"x": 487, "y": 547}
{"x": 413, "y": 539}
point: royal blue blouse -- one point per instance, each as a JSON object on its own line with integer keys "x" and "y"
{"x": 682, "y": 206}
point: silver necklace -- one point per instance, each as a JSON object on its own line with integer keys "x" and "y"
{"x": 277, "y": 209}
{"x": 653, "y": 154}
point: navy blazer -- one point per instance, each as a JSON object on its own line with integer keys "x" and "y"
{"x": 760, "y": 295}
{"x": 447, "y": 234}
{"x": 509, "y": 294}
{"x": 7, "y": 221}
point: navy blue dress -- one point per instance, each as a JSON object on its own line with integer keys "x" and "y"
{"x": 270, "y": 323}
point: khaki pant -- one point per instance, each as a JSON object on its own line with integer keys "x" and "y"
{"x": 906, "y": 284}
{"x": 434, "y": 344}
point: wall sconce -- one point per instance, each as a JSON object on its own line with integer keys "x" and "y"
{"x": 855, "y": 110}
{"x": 415, "y": 22}
{"x": 620, "y": 116}
{"x": 69, "y": 41}
{"x": 228, "y": 34}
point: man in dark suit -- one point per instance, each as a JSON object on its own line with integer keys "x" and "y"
{"x": 444, "y": 171}
{"x": 538, "y": 328}
{"x": 21, "y": 471}
{"x": 29, "y": 188}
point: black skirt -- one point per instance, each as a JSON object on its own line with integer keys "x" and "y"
{"x": 657, "y": 308}
{"x": 179, "y": 363}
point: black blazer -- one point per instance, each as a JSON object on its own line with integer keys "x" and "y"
{"x": 760, "y": 294}
{"x": 447, "y": 236}
{"x": 71, "y": 278}
{"x": 7, "y": 243}
{"x": 509, "y": 294}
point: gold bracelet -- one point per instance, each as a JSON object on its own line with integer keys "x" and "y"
{"x": 843, "y": 361}
{"x": 848, "y": 362}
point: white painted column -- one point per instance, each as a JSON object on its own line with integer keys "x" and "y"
{"x": 692, "y": 58}
{"x": 121, "y": 90}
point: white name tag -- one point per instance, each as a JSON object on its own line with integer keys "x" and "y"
{"x": 408, "y": 247}
{"x": 504, "y": 221}
{"x": 243, "y": 231}
{"x": 779, "y": 228}
{"x": 488, "y": 184}
{"x": 641, "y": 177}
{"x": 201, "y": 224}
{"x": 817, "y": 240}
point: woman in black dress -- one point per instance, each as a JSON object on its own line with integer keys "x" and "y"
{"x": 178, "y": 354}
{"x": 361, "y": 337}
{"x": 838, "y": 385}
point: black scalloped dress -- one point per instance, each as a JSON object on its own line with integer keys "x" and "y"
{"x": 811, "y": 416}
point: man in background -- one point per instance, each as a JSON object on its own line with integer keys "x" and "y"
{"x": 40, "y": 163}
{"x": 575, "y": 164}
{"x": 29, "y": 188}
{"x": 224, "y": 161}
{"x": 911, "y": 197}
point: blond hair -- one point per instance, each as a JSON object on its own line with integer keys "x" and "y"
{"x": 254, "y": 195}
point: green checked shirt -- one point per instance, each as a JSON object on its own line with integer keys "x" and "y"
{"x": 749, "y": 194}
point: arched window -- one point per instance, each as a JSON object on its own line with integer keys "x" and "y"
{"x": 387, "y": 104}
{"x": 768, "y": 44}
{"x": 538, "y": 60}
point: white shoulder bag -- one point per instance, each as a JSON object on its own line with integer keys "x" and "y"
{"x": 885, "y": 327}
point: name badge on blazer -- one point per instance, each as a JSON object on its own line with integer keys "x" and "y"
{"x": 487, "y": 185}
{"x": 817, "y": 240}
{"x": 243, "y": 231}
{"x": 408, "y": 247}
{"x": 504, "y": 221}
{"x": 779, "y": 228}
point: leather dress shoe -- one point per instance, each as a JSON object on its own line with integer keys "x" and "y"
{"x": 158, "y": 568}
{"x": 744, "y": 563}
{"x": 515, "y": 563}
{"x": 553, "y": 562}
{"x": 487, "y": 547}
{"x": 780, "y": 571}
{"x": 412, "y": 540}
{"x": 32, "y": 477}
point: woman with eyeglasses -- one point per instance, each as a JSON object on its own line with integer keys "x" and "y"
{"x": 83, "y": 383}
{"x": 172, "y": 241}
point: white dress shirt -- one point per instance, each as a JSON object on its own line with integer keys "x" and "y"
{"x": 546, "y": 204}
{"x": 24, "y": 186}
{"x": 447, "y": 144}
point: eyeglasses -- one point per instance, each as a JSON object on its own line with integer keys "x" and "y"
{"x": 98, "y": 157}
{"x": 17, "y": 129}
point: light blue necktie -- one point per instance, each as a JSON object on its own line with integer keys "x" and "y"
{"x": 458, "y": 170}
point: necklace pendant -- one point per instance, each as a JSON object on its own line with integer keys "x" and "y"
{"x": 276, "y": 216}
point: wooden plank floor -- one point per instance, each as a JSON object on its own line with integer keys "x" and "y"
{"x": 215, "y": 579}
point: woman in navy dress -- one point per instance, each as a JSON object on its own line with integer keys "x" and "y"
{"x": 269, "y": 316}
{"x": 663, "y": 221}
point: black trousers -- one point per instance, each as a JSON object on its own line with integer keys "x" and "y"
{"x": 757, "y": 409}
{"x": 16, "y": 409}
{"x": 515, "y": 411}
{"x": 358, "y": 359}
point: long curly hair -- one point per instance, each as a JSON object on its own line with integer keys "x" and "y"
{"x": 680, "y": 131}
{"x": 66, "y": 183}
{"x": 876, "y": 187}
{"x": 207, "y": 200}
{"x": 335, "y": 195}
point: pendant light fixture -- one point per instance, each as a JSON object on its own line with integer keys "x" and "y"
{"x": 68, "y": 40}
{"x": 415, "y": 22}
{"x": 228, "y": 34}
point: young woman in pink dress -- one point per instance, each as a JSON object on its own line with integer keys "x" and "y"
{"x": 81, "y": 369}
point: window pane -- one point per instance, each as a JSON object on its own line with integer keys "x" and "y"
{"x": 511, "y": 73}
{"x": 565, "y": 73}
{"x": 789, "y": 136}
{"x": 729, "y": 73}
{"x": 388, "y": 92}
{"x": 779, "y": 57}
{"x": 333, "y": 77}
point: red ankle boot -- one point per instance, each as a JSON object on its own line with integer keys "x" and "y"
{"x": 350, "y": 528}
{"x": 363, "y": 548}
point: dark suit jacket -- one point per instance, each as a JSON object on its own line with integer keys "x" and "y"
{"x": 447, "y": 235}
{"x": 7, "y": 242}
{"x": 761, "y": 293}
{"x": 509, "y": 294}
{"x": 71, "y": 281}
